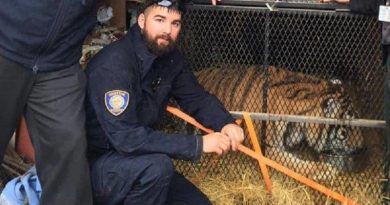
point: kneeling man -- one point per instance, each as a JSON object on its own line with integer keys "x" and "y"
{"x": 129, "y": 85}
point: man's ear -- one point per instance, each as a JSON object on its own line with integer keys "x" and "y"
{"x": 141, "y": 20}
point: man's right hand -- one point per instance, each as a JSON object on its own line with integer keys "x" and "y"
{"x": 216, "y": 142}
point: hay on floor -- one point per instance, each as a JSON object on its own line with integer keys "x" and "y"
{"x": 286, "y": 191}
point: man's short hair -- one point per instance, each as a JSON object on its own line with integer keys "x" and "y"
{"x": 174, "y": 5}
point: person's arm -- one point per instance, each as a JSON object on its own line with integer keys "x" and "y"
{"x": 368, "y": 7}
{"x": 197, "y": 102}
{"x": 206, "y": 108}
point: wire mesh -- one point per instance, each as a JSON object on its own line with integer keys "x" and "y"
{"x": 301, "y": 62}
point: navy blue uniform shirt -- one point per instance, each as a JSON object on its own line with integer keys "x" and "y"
{"x": 127, "y": 71}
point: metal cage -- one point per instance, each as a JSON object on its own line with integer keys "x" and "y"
{"x": 323, "y": 41}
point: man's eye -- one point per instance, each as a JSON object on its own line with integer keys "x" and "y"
{"x": 159, "y": 20}
{"x": 177, "y": 24}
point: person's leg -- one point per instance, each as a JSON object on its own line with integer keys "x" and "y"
{"x": 15, "y": 85}
{"x": 55, "y": 119}
{"x": 140, "y": 180}
{"x": 183, "y": 192}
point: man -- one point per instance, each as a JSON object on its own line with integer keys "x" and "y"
{"x": 130, "y": 82}
{"x": 40, "y": 77}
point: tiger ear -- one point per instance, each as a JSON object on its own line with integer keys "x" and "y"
{"x": 336, "y": 81}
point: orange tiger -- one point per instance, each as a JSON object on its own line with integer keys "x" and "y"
{"x": 279, "y": 91}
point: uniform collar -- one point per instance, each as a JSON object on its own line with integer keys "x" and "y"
{"x": 143, "y": 54}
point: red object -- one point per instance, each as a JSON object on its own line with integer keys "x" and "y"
{"x": 23, "y": 145}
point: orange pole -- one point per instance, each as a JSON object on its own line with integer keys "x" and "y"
{"x": 188, "y": 119}
{"x": 298, "y": 177}
{"x": 304, "y": 180}
{"x": 256, "y": 146}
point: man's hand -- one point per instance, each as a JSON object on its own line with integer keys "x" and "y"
{"x": 216, "y": 142}
{"x": 235, "y": 133}
{"x": 337, "y": 1}
{"x": 214, "y": 2}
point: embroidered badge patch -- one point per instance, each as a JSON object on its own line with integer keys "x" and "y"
{"x": 116, "y": 101}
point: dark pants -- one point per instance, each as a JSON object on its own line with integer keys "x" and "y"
{"x": 53, "y": 104}
{"x": 142, "y": 180}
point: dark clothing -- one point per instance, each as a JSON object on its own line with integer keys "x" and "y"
{"x": 40, "y": 46}
{"x": 153, "y": 180}
{"x": 139, "y": 180}
{"x": 53, "y": 106}
{"x": 370, "y": 7}
{"x": 128, "y": 66}
{"x": 45, "y": 35}
{"x": 183, "y": 192}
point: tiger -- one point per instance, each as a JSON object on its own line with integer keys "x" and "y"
{"x": 279, "y": 91}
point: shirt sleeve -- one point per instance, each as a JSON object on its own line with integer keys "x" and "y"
{"x": 197, "y": 102}
{"x": 124, "y": 131}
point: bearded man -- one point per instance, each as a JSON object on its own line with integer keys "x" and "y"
{"x": 129, "y": 85}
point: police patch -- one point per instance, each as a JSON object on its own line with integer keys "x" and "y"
{"x": 116, "y": 101}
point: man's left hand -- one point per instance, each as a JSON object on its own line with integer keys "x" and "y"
{"x": 235, "y": 133}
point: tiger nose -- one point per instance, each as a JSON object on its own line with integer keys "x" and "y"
{"x": 342, "y": 135}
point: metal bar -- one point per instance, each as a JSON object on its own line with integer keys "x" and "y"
{"x": 278, "y": 4}
{"x": 312, "y": 119}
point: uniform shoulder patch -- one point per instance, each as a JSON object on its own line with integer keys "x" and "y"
{"x": 116, "y": 101}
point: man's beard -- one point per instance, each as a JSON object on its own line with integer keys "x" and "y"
{"x": 154, "y": 47}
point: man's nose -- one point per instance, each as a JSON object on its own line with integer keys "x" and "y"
{"x": 168, "y": 28}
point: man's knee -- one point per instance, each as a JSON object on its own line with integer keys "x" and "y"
{"x": 116, "y": 178}
{"x": 160, "y": 170}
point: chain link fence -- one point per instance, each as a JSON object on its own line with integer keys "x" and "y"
{"x": 302, "y": 58}
{"x": 323, "y": 63}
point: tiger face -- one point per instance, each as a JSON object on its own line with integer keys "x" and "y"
{"x": 340, "y": 139}
{"x": 279, "y": 91}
